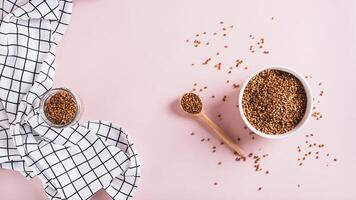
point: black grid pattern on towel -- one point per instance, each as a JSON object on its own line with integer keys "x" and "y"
{"x": 73, "y": 162}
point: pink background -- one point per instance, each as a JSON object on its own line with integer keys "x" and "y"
{"x": 129, "y": 62}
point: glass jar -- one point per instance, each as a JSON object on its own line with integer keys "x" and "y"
{"x": 46, "y": 99}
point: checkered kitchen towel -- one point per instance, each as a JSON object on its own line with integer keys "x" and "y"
{"x": 74, "y": 162}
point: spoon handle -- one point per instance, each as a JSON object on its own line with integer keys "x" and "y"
{"x": 222, "y": 135}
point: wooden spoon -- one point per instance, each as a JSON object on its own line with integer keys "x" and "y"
{"x": 192, "y": 104}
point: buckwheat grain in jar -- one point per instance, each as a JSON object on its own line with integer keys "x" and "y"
{"x": 60, "y": 107}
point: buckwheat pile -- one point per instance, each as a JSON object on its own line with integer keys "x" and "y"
{"x": 274, "y": 101}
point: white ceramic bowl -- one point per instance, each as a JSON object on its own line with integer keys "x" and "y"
{"x": 301, "y": 123}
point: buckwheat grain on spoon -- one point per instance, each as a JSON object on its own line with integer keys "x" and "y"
{"x": 192, "y": 104}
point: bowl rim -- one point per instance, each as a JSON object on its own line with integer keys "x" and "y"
{"x": 307, "y": 113}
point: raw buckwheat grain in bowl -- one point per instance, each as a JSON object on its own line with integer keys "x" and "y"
{"x": 274, "y": 101}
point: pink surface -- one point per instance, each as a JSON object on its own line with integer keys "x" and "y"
{"x": 145, "y": 64}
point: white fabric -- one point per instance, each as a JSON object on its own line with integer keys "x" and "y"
{"x": 74, "y": 162}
